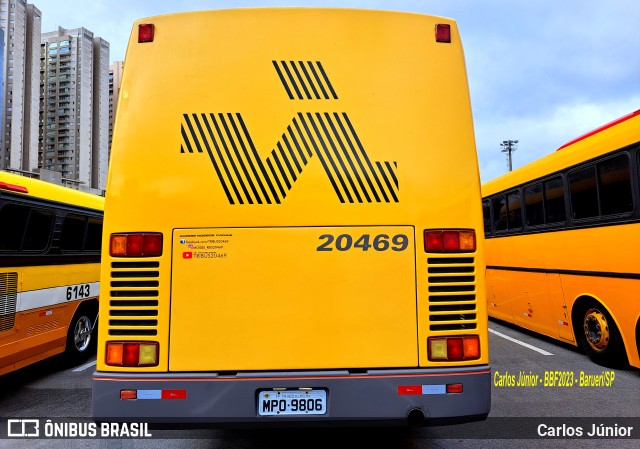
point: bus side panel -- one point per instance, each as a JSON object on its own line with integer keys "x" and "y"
{"x": 499, "y": 297}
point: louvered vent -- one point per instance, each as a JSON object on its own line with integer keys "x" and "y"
{"x": 8, "y": 300}
{"x": 452, "y": 293}
{"x": 42, "y": 328}
{"x": 133, "y": 301}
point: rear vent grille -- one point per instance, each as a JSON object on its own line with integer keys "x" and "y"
{"x": 133, "y": 305}
{"x": 452, "y": 298}
{"x": 8, "y": 300}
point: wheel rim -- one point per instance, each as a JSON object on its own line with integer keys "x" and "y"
{"x": 596, "y": 330}
{"x": 82, "y": 334}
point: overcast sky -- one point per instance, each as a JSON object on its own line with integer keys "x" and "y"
{"x": 540, "y": 71}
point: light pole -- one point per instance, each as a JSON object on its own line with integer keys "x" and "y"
{"x": 509, "y": 146}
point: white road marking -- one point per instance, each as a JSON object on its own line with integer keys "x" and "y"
{"x": 84, "y": 367}
{"x": 526, "y": 345}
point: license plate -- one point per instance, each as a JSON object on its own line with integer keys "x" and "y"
{"x": 292, "y": 402}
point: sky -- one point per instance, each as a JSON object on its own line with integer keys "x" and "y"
{"x": 540, "y": 71}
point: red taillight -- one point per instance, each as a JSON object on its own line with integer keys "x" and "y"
{"x": 13, "y": 187}
{"x": 136, "y": 244}
{"x": 454, "y": 388}
{"x": 449, "y": 240}
{"x": 453, "y": 349}
{"x": 145, "y": 32}
{"x": 130, "y": 354}
{"x": 443, "y": 33}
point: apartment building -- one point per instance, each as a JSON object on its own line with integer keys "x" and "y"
{"x": 74, "y": 106}
{"x": 20, "y": 27}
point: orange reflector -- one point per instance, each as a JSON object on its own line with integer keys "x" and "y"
{"x": 114, "y": 354}
{"x": 468, "y": 240}
{"x": 128, "y": 394}
{"x": 471, "y": 347}
{"x": 118, "y": 245}
{"x": 454, "y": 388}
{"x": 145, "y": 32}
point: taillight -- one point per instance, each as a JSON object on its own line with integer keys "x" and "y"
{"x": 454, "y": 349}
{"x": 145, "y": 32}
{"x": 132, "y": 353}
{"x": 13, "y": 187}
{"x": 443, "y": 33}
{"x": 449, "y": 240}
{"x": 136, "y": 244}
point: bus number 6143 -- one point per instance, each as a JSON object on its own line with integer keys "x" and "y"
{"x": 78, "y": 292}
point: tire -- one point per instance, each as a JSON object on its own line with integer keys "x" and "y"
{"x": 599, "y": 336}
{"x": 81, "y": 337}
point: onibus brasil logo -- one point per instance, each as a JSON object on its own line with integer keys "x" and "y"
{"x": 328, "y": 137}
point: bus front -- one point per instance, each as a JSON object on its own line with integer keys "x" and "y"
{"x": 292, "y": 223}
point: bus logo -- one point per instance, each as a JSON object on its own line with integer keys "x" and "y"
{"x": 330, "y": 137}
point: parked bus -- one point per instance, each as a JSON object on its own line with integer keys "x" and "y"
{"x": 561, "y": 239}
{"x": 50, "y": 240}
{"x": 291, "y": 219}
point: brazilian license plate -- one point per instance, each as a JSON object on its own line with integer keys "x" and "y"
{"x": 292, "y": 402}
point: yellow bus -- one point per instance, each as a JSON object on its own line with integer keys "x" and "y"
{"x": 50, "y": 239}
{"x": 291, "y": 218}
{"x": 561, "y": 239}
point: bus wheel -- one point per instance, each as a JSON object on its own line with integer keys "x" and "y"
{"x": 80, "y": 337}
{"x": 599, "y": 336}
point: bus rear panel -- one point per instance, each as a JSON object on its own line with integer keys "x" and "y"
{"x": 291, "y": 219}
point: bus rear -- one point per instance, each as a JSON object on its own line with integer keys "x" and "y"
{"x": 291, "y": 219}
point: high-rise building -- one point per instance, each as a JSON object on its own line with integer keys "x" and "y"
{"x": 74, "y": 106}
{"x": 20, "y": 25}
{"x": 115, "y": 79}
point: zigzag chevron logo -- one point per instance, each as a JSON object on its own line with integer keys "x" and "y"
{"x": 329, "y": 137}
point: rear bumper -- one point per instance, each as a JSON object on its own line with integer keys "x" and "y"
{"x": 373, "y": 397}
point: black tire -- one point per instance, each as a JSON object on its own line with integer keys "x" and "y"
{"x": 599, "y": 336}
{"x": 81, "y": 337}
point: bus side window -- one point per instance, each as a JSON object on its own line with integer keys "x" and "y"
{"x": 499, "y": 206}
{"x": 38, "y": 232}
{"x": 514, "y": 206}
{"x": 614, "y": 182}
{"x": 584, "y": 195}
{"x": 534, "y": 211}
{"x": 94, "y": 235}
{"x": 486, "y": 213}
{"x": 73, "y": 231}
{"x": 554, "y": 209}
{"x": 13, "y": 222}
